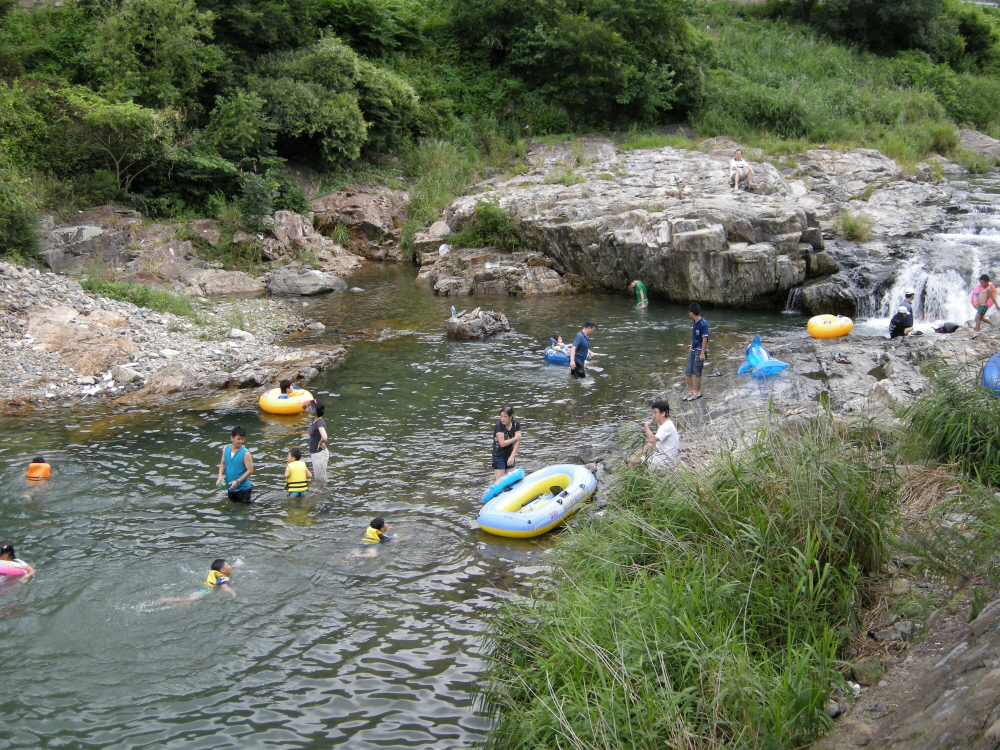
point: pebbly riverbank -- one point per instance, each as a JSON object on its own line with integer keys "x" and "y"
{"x": 59, "y": 341}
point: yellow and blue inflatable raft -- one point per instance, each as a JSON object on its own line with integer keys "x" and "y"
{"x": 539, "y": 502}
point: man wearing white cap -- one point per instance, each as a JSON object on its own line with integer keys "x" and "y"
{"x": 898, "y": 324}
{"x": 908, "y": 304}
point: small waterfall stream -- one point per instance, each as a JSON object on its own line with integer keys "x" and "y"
{"x": 943, "y": 268}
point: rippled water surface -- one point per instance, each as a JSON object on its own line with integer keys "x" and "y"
{"x": 317, "y": 649}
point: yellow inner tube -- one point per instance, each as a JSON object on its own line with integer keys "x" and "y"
{"x": 516, "y": 499}
{"x": 270, "y": 402}
{"x": 829, "y": 326}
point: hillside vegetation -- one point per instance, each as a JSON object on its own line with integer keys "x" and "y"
{"x": 194, "y": 107}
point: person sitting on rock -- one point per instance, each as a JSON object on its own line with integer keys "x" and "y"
{"x": 740, "y": 169}
{"x": 898, "y": 324}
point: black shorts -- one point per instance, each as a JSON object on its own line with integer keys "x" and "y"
{"x": 243, "y": 496}
{"x": 578, "y": 371}
{"x": 500, "y": 462}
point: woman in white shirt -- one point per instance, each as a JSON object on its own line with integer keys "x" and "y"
{"x": 663, "y": 445}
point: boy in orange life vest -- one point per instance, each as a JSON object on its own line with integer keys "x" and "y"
{"x": 38, "y": 470}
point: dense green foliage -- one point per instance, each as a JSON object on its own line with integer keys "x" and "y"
{"x": 140, "y": 295}
{"x": 491, "y": 226}
{"x": 702, "y": 610}
{"x": 179, "y": 106}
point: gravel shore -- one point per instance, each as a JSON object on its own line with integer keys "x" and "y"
{"x": 59, "y": 341}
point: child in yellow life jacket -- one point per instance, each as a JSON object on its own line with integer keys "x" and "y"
{"x": 38, "y": 470}
{"x": 297, "y": 474}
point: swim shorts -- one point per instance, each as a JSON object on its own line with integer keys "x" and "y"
{"x": 296, "y": 494}
{"x": 243, "y": 496}
{"x": 695, "y": 363}
{"x": 500, "y": 462}
{"x": 578, "y": 371}
{"x": 982, "y": 310}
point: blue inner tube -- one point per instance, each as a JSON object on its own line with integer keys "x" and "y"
{"x": 990, "y": 378}
{"x": 556, "y": 356}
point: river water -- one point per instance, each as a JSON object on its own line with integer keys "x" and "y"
{"x": 318, "y": 649}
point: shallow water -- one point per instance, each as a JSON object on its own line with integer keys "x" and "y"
{"x": 317, "y": 650}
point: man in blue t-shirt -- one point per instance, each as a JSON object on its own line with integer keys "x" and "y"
{"x": 696, "y": 357}
{"x": 580, "y": 351}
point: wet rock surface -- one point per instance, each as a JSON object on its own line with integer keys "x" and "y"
{"x": 60, "y": 342}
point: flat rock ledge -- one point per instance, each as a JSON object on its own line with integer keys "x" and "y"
{"x": 59, "y": 342}
{"x": 477, "y": 324}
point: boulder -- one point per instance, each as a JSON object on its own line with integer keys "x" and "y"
{"x": 303, "y": 282}
{"x": 477, "y": 324}
{"x": 236, "y": 333}
{"x": 206, "y": 230}
{"x": 211, "y": 282}
{"x": 124, "y": 374}
{"x": 374, "y": 220}
{"x": 88, "y": 352}
{"x": 98, "y": 236}
{"x": 973, "y": 140}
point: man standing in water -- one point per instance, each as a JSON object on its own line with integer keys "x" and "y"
{"x": 641, "y": 300}
{"x": 696, "y": 357}
{"x": 580, "y": 350}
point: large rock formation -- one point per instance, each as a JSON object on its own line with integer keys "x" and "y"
{"x": 373, "y": 219}
{"x": 467, "y": 272}
{"x": 668, "y": 216}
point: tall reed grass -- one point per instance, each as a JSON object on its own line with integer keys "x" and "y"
{"x": 957, "y": 421}
{"x": 704, "y": 610}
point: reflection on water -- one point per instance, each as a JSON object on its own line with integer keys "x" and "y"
{"x": 318, "y": 648}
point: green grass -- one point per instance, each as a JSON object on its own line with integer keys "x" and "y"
{"x": 639, "y": 140}
{"x": 782, "y": 88}
{"x": 975, "y": 162}
{"x": 855, "y": 226}
{"x": 567, "y": 177}
{"x": 441, "y": 169}
{"x": 957, "y": 422}
{"x": 140, "y": 295}
{"x": 703, "y": 610}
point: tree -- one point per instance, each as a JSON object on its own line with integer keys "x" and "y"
{"x": 154, "y": 51}
{"x": 129, "y": 138}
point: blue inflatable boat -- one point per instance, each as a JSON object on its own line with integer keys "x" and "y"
{"x": 990, "y": 379}
{"x": 557, "y": 354}
{"x": 538, "y": 503}
{"x": 759, "y": 363}
{"x": 507, "y": 480}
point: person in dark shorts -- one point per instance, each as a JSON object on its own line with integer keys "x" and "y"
{"x": 506, "y": 440}
{"x": 696, "y": 357}
{"x": 236, "y": 466}
{"x": 579, "y": 353}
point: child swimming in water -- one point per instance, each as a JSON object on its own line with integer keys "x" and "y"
{"x": 218, "y": 578}
{"x": 375, "y": 535}
{"x": 7, "y": 555}
{"x": 38, "y": 470}
{"x": 297, "y": 474}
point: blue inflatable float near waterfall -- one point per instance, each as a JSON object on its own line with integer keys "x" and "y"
{"x": 759, "y": 363}
{"x": 990, "y": 379}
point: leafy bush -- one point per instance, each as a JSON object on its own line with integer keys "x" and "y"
{"x": 491, "y": 226}
{"x": 976, "y": 162}
{"x": 706, "y": 606}
{"x": 17, "y": 231}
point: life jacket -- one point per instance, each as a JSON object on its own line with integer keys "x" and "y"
{"x": 372, "y": 536}
{"x": 297, "y": 480}
{"x": 38, "y": 472}
{"x": 215, "y": 578}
